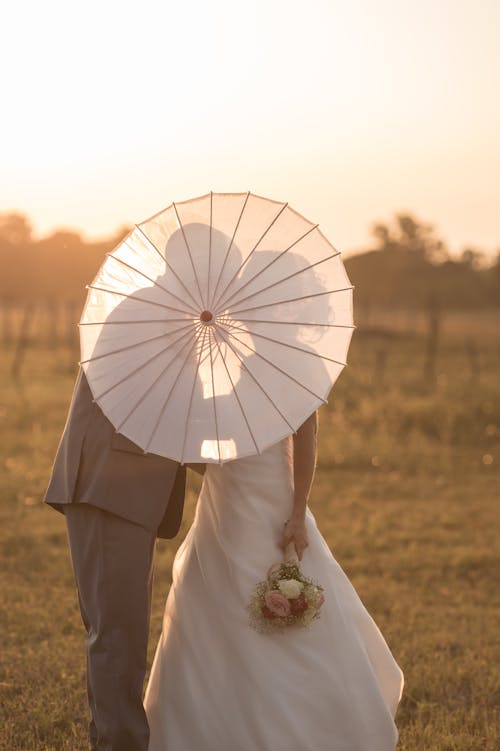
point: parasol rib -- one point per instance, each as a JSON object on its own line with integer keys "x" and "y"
{"x": 285, "y": 278}
{"x": 186, "y": 427}
{"x": 261, "y": 387}
{"x": 134, "y": 297}
{"x": 292, "y": 299}
{"x": 143, "y": 396}
{"x": 213, "y": 395}
{"x": 146, "y": 321}
{"x": 248, "y": 256}
{"x": 224, "y": 302}
{"x": 297, "y": 323}
{"x": 228, "y": 249}
{"x": 236, "y": 392}
{"x": 149, "y": 278}
{"x": 181, "y": 227}
{"x": 284, "y": 344}
{"x": 169, "y": 267}
{"x": 164, "y": 406}
{"x": 276, "y": 367}
{"x": 136, "y": 344}
{"x": 209, "y": 250}
{"x": 136, "y": 370}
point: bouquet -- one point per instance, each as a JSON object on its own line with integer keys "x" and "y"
{"x": 285, "y": 598}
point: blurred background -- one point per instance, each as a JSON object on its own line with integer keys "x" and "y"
{"x": 378, "y": 120}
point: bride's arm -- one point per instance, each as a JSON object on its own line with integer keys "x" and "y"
{"x": 304, "y": 465}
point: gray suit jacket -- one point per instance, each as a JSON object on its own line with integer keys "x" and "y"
{"x": 96, "y": 465}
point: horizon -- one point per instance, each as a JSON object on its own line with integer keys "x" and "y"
{"x": 87, "y": 239}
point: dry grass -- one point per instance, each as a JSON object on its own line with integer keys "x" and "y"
{"x": 406, "y": 495}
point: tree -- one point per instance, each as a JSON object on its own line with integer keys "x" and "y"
{"x": 473, "y": 258}
{"x": 15, "y": 229}
{"x": 407, "y": 234}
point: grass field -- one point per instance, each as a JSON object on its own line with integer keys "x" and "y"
{"x": 406, "y": 494}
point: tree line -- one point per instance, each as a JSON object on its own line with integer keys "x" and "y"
{"x": 406, "y": 267}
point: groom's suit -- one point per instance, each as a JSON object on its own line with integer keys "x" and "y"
{"x": 96, "y": 465}
{"x": 117, "y": 501}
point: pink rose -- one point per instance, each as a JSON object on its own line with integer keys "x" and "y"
{"x": 277, "y": 603}
{"x": 299, "y": 605}
{"x": 266, "y": 612}
{"x": 321, "y": 600}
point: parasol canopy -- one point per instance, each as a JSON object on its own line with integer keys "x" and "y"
{"x": 216, "y": 327}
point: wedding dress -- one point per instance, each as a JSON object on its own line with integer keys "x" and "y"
{"x": 218, "y": 685}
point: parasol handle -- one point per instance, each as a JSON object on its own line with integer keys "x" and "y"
{"x": 290, "y": 552}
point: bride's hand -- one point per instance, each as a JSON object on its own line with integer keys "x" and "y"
{"x": 295, "y": 531}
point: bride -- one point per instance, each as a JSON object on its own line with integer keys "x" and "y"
{"x": 218, "y": 685}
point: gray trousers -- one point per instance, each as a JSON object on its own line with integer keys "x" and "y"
{"x": 113, "y": 566}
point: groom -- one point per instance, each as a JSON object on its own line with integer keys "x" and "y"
{"x": 117, "y": 501}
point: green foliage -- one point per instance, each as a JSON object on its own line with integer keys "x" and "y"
{"x": 56, "y": 267}
{"x": 411, "y": 268}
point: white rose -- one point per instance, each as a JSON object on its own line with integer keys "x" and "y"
{"x": 290, "y": 588}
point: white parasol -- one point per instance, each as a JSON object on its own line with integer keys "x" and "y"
{"x": 216, "y": 327}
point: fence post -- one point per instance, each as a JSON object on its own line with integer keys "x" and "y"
{"x": 432, "y": 339}
{"x": 380, "y": 366}
{"x": 7, "y": 324}
{"x": 72, "y": 335}
{"x": 22, "y": 340}
{"x": 472, "y": 354}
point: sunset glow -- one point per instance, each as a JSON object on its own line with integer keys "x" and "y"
{"x": 348, "y": 111}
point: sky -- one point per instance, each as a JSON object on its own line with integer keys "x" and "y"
{"x": 349, "y": 111}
